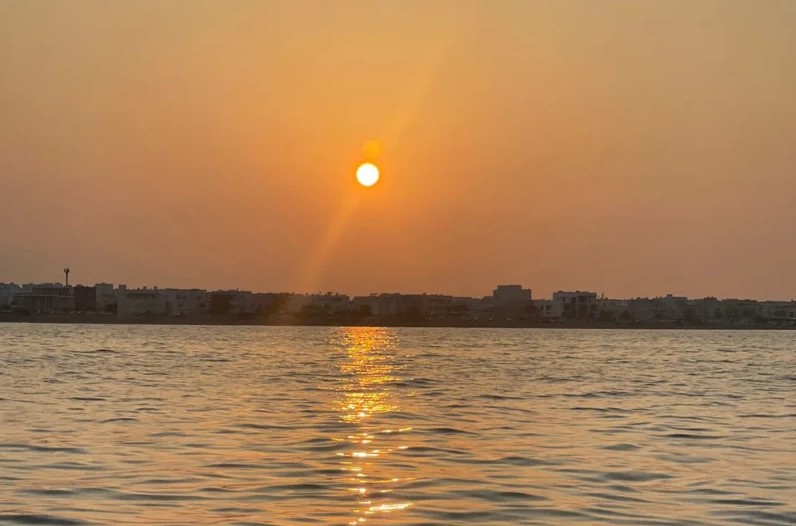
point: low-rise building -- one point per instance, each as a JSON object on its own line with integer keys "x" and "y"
{"x": 610, "y": 309}
{"x": 404, "y": 305}
{"x": 185, "y": 302}
{"x": 330, "y": 302}
{"x": 237, "y": 302}
{"x": 672, "y": 307}
{"x": 392, "y": 305}
{"x": 138, "y": 302}
{"x": 85, "y": 298}
{"x": 48, "y": 298}
{"x": 314, "y": 304}
{"x": 740, "y": 309}
{"x": 105, "y": 297}
{"x": 7, "y": 293}
{"x": 707, "y": 309}
{"x": 777, "y": 310}
{"x": 467, "y": 305}
{"x": 577, "y": 305}
{"x": 642, "y": 309}
{"x": 511, "y": 296}
{"x": 544, "y": 308}
{"x": 363, "y": 305}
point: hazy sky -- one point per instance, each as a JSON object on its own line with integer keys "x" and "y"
{"x": 626, "y": 147}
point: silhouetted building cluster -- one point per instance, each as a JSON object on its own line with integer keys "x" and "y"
{"x": 508, "y": 303}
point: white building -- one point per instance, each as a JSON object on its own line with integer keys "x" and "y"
{"x": 136, "y": 302}
{"x": 331, "y": 302}
{"x": 363, "y": 303}
{"x": 612, "y": 308}
{"x": 435, "y": 305}
{"x": 545, "y": 309}
{"x": 394, "y": 304}
{"x": 106, "y": 297}
{"x": 386, "y": 304}
{"x": 574, "y": 305}
{"x": 45, "y": 298}
{"x": 185, "y": 302}
{"x": 778, "y": 310}
{"x": 506, "y": 296}
{"x": 469, "y": 304}
{"x": 672, "y": 307}
{"x": 295, "y": 303}
{"x": 232, "y": 302}
{"x": 7, "y": 291}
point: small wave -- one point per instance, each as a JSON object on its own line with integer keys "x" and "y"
{"x": 709, "y": 491}
{"x": 512, "y": 460}
{"x": 414, "y": 382}
{"x": 233, "y": 509}
{"x": 215, "y": 360}
{"x": 237, "y": 465}
{"x": 164, "y": 497}
{"x": 164, "y": 434}
{"x": 635, "y": 476}
{"x": 56, "y": 449}
{"x": 506, "y": 517}
{"x": 28, "y": 518}
{"x": 748, "y": 502}
{"x": 325, "y": 446}
{"x": 261, "y": 427}
{"x": 51, "y": 492}
{"x": 753, "y": 516}
{"x": 167, "y": 481}
{"x": 622, "y": 447}
{"x": 499, "y": 397}
{"x": 450, "y": 431}
{"x": 622, "y": 488}
{"x": 516, "y": 460}
{"x": 76, "y": 466}
{"x": 306, "y": 487}
{"x": 432, "y": 450}
{"x": 600, "y": 409}
{"x": 767, "y": 415}
{"x": 614, "y": 496}
{"x": 498, "y": 496}
{"x": 693, "y": 436}
{"x": 684, "y": 459}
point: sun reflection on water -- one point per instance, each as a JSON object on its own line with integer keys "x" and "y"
{"x": 368, "y": 370}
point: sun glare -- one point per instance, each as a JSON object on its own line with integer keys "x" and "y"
{"x": 367, "y": 174}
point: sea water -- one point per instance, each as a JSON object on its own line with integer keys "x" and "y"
{"x": 304, "y": 425}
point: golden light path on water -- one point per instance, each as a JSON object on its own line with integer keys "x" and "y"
{"x": 367, "y": 370}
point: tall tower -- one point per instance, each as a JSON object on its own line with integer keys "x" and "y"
{"x": 66, "y": 274}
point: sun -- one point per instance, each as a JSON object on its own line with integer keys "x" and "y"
{"x": 367, "y": 174}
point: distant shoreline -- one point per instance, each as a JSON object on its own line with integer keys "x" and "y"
{"x": 92, "y": 319}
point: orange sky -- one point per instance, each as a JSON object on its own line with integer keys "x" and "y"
{"x": 635, "y": 148}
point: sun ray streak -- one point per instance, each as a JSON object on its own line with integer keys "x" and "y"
{"x": 318, "y": 259}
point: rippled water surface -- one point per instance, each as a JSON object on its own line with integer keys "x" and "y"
{"x": 265, "y": 425}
